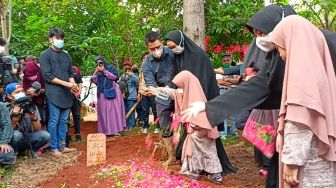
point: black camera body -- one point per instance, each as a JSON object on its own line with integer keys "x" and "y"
{"x": 25, "y": 103}
{"x": 7, "y": 63}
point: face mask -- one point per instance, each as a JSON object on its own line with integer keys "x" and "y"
{"x": 2, "y": 50}
{"x": 265, "y": 43}
{"x": 58, "y": 43}
{"x": 157, "y": 53}
{"x": 19, "y": 95}
{"x": 226, "y": 65}
{"x": 32, "y": 78}
{"x": 179, "y": 49}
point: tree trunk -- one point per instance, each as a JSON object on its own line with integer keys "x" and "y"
{"x": 6, "y": 22}
{"x": 193, "y": 21}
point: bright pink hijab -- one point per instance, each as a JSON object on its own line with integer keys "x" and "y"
{"x": 309, "y": 88}
{"x": 192, "y": 92}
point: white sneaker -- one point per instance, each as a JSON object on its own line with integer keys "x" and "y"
{"x": 156, "y": 130}
{"x": 145, "y": 131}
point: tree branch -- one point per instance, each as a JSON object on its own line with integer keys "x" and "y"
{"x": 315, "y": 13}
{"x": 332, "y": 21}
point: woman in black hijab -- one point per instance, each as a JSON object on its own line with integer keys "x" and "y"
{"x": 263, "y": 91}
{"x": 191, "y": 57}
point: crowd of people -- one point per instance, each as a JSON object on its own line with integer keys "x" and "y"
{"x": 286, "y": 81}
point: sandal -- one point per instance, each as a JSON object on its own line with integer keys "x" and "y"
{"x": 263, "y": 173}
{"x": 191, "y": 176}
{"x": 216, "y": 180}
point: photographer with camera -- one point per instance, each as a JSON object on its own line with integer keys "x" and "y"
{"x": 34, "y": 86}
{"x": 7, "y": 155}
{"x": 8, "y": 66}
{"x": 129, "y": 83}
{"x": 27, "y": 132}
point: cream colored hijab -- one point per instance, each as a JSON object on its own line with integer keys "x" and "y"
{"x": 309, "y": 89}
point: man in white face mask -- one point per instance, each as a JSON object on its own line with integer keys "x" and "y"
{"x": 57, "y": 71}
{"x": 27, "y": 133}
{"x": 159, "y": 69}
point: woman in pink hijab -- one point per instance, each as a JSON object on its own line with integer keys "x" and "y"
{"x": 199, "y": 148}
{"x": 307, "y": 123}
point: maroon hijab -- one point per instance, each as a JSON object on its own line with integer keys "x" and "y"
{"x": 32, "y": 73}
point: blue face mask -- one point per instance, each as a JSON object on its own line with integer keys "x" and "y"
{"x": 19, "y": 95}
{"x": 58, "y": 43}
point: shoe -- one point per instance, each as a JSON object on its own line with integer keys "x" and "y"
{"x": 117, "y": 134}
{"x": 223, "y": 138}
{"x": 145, "y": 131}
{"x": 216, "y": 180}
{"x": 156, "y": 130}
{"x": 39, "y": 151}
{"x": 68, "y": 140}
{"x": 263, "y": 173}
{"x": 79, "y": 138}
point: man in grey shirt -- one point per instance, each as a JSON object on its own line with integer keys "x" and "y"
{"x": 56, "y": 67}
{"x": 159, "y": 69}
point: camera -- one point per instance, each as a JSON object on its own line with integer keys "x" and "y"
{"x": 25, "y": 103}
{"x": 7, "y": 64}
{"x": 36, "y": 86}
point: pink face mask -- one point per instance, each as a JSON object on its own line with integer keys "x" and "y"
{"x": 32, "y": 78}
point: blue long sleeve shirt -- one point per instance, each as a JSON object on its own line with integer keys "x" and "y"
{"x": 160, "y": 72}
{"x": 6, "y": 128}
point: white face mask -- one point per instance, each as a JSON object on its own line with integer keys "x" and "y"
{"x": 2, "y": 50}
{"x": 19, "y": 95}
{"x": 179, "y": 49}
{"x": 157, "y": 53}
{"x": 58, "y": 43}
{"x": 265, "y": 43}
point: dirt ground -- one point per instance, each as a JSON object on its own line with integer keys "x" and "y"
{"x": 71, "y": 170}
{"x": 131, "y": 147}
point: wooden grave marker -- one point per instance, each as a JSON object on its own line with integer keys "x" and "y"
{"x": 96, "y": 149}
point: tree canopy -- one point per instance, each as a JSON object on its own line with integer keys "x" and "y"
{"x": 115, "y": 29}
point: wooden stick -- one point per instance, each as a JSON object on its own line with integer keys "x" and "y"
{"x": 132, "y": 109}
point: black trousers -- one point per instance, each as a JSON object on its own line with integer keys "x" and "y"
{"x": 76, "y": 110}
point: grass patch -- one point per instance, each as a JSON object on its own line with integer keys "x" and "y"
{"x": 4, "y": 172}
{"x": 231, "y": 140}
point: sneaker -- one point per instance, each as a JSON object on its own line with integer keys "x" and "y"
{"x": 156, "y": 130}
{"x": 68, "y": 140}
{"x": 40, "y": 151}
{"x": 223, "y": 137}
{"x": 117, "y": 134}
{"x": 145, "y": 131}
{"x": 78, "y": 138}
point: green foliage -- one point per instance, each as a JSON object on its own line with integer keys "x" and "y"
{"x": 321, "y": 12}
{"x": 226, "y": 22}
{"x": 6, "y": 171}
{"x": 112, "y": 29}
